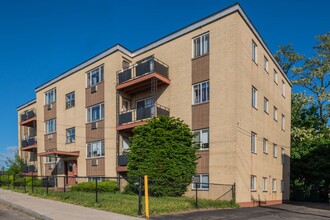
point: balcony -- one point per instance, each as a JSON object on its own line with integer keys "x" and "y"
{"x": 122, "y": 163}
{"x": 138, "y": 77}
{"x": 29, "y": 169}
{"x": 28, "y": 118}
{"x": 130, "y": 119}
{"x": 29, "y": 144}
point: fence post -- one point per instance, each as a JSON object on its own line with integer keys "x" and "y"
{"x": 32, "y": 183}
{"x": 24, "y": 184}
{"x": 47, "y": 184}
{"x": 146, "y": 196}
{"x": 96, "y": 191}
{"x": 140, "y": 197}
{"x": 196, "y": 189}
{"x": 64, "y": 190}
{"x": 8, "y": 180}
{"x": 14, "y": 181}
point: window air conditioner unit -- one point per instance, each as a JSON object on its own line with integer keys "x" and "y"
{"x": 94, "y": 125}
{"x": 50, "y": 137}
{"x": 95, "y": 162}
{"x": 50, "y": 106}
{"x": 94, "y": 89}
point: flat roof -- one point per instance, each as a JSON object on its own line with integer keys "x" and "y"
{"x": 209, "y": 19}
{"x": 26, "y": 104}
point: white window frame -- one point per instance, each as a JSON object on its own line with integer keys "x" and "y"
{"x": 51, "y": 159}
{"x": 95, "y": 146}
{"x": 254, "y": 93}
{"x": 50, "y": 96}
{"x": 70, "y": 137}
{"x": 264, "y": 184}
{"x": 254, "y": 52}
{"x": 265, "y": 146}
{"x": 198, "y": 87}
{"x": 275, "y": 113}
{"x": 50, "y": 126}
{"x": 253, "y": 142}
{"x": 89, "y": 112}
{"x": 275, "y": 76}
{"x": 201, "y": 134}
{"x": 274, "y": 185}
{"x": 266, "y": 64}
{"x": 283, "y": 88}
{"x": 253, "y": 183}
{"x": 266, "y": 105}
{"x": 282, "y": 156}
{"x": 275, "y": 150}
{"x": 70, "y": 100}
{"x": 99, "y": 71}
{"x": 201, "y": 185}
{"x": 200, "y": 45}
{"x": 283, "y": 122}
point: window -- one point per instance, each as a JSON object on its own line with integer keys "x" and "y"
{"x": 283, "y": 88}
{"x": 126, "y": 143}
{"x": 265, "y": 146}
{"x": 201, "y": 45}
{"x": 201, "y": 181}
{"x": 253, "y": 142}
{"x": 50, "y": 96}
{"x": 254, "y": 52}
{"x": 275, "y": 113}
{"x": 282, "y": 186}
{"x": 50, "y": 159}
{"x": 201, "y": 92}
{"x": 254, "y": 97}
{"x": 95, "y": 76}
{"x": 70, "y": 135}
{"x": 253, "y": 183}
{"x": 283, "y": 122}
{"x": 50, "y": 126}
{"x": 274, "y": 185}
{"x": 70, "y": 100}
{"x": 95, "y": 149}
{"x": 265, "y": 105}
{"x": 264, "y": 184}
{"x": 94, "y": 179}
{"x": 275, "y": 76}
{"x": 95, "y": 113}
{"x": 274, "y": 150}
{"x": 266, "y": 64}
{"x": 202, "y": 138}
{"x": 282, "y": 156}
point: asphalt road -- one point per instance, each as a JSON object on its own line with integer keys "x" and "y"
{"x": 7, "y": 213}
{"x": 296, "y": 211}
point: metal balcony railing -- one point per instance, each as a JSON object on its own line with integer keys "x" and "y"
{"x": 29, "y": 168}
{"x": 142, "y": 113}
{"x": 28, "y": 115}
{"x": 142, "y": 68}
{"x": 29, "y": 142}
{"x": 122, "y": 160}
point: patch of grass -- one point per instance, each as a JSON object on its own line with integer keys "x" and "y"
{"x": 127, "y": 204}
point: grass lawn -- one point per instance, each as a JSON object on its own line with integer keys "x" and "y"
{"x": 127, "y": 204}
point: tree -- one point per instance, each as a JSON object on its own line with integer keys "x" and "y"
{"x": 287, "y": 57}
{"x": 14, "y": 165}
{"x": 164, "y": 150}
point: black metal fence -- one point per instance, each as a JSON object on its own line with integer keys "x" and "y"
{"x": 98, "y": 189}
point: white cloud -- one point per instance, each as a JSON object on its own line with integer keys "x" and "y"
{"x": 8, "y": 152}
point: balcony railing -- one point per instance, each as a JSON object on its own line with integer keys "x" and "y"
{"x": 28, "y": 115}
{"x": 122, "y": 160}
{"x": 142, "y": 113}
{"x": 29, "y": 142}
{"x": 142, "y": 68}
{"x": 29, "y": 168}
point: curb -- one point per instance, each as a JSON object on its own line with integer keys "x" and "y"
{"x": 25, "y": 210}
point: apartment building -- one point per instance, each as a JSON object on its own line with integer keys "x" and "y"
{"x": 216, "y": 74}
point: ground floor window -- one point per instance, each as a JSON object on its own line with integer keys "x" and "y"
{"x": 93, "y": 179}
{"x": 201, "y": 181}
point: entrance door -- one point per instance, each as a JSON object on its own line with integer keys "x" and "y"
{"x": 71, "y": 171}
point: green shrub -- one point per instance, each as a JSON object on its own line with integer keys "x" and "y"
{"x": 107, "y": 186}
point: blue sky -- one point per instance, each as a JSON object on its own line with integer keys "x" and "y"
{"x": 41, "y": 39}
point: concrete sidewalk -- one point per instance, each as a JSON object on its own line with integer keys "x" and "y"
{"x": 49, "y": 209}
